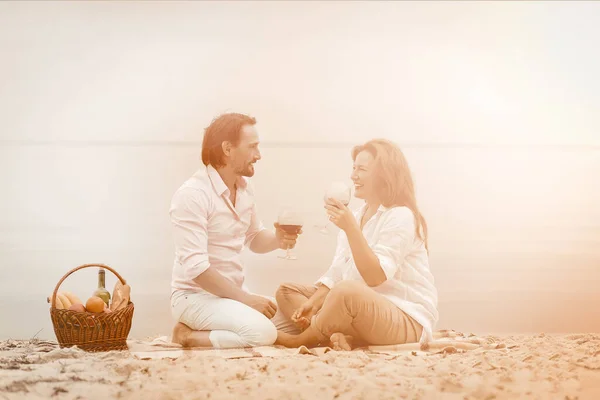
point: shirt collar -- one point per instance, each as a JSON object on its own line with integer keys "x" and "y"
{"x": 217, "y": 181}
{"x": 380, "y": 209}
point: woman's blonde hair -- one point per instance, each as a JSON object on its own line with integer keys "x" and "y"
{"x": 394, "y": 180}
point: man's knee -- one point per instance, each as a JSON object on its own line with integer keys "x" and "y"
{"x": 260, "y": 333}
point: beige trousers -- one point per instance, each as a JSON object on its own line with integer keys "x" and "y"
{"x": 354, "y": 309}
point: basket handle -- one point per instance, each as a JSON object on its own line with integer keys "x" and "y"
{"x": 53, "y": 303}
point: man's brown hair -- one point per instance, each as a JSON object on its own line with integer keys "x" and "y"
{"x": 224, "y": 128}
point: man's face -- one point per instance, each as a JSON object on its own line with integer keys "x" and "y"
{"x": 246, "y": 153}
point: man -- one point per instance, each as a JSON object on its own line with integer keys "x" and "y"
{"x": 214, "y": 217}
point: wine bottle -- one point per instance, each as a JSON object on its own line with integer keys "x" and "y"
{"x": 101, "y": 291}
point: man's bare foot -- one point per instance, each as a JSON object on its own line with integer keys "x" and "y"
{"x": 187, "y": 337}
{"x": 341, "y": 342}
{"x": 181, "y": 332}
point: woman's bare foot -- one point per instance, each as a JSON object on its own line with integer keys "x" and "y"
{"x": 341, "y": 342}
{"x": 286, "y": 339}
{"x": 181, "y": 332}
{"x": 308, "y": 338}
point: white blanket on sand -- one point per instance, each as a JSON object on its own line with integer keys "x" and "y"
{"x": 444, "y": 342}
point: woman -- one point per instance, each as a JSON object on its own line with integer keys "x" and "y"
{"x": 378, "y": 289}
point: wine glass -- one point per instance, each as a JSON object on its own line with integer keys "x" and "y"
{"x": 339, "y": 191}
{"x": 290, "y": 222}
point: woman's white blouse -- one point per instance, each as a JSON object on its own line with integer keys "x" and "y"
{"x": 409, "y": 283}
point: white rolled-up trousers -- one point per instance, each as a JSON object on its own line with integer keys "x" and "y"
{"x": 231, "y": 323}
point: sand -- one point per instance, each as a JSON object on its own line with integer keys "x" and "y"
{"x": 464, "y": 367}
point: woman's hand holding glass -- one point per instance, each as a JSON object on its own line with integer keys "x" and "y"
{"x": 339, "y": 214}
{"x": 340, "y": 192}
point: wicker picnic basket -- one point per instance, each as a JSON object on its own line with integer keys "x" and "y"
{"x": 90, "y": 331}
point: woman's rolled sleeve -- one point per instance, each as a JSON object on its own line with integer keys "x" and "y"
{"x": 395, "y": 239}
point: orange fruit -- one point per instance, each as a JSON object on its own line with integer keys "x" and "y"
{"x": 95, "y": 304}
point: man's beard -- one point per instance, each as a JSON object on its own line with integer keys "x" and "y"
{"x": 247, "y": 171}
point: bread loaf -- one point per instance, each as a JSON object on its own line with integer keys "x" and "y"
{"x": 120, "y": 297}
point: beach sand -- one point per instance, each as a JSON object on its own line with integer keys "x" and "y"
{"x": 485, "y": 367}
